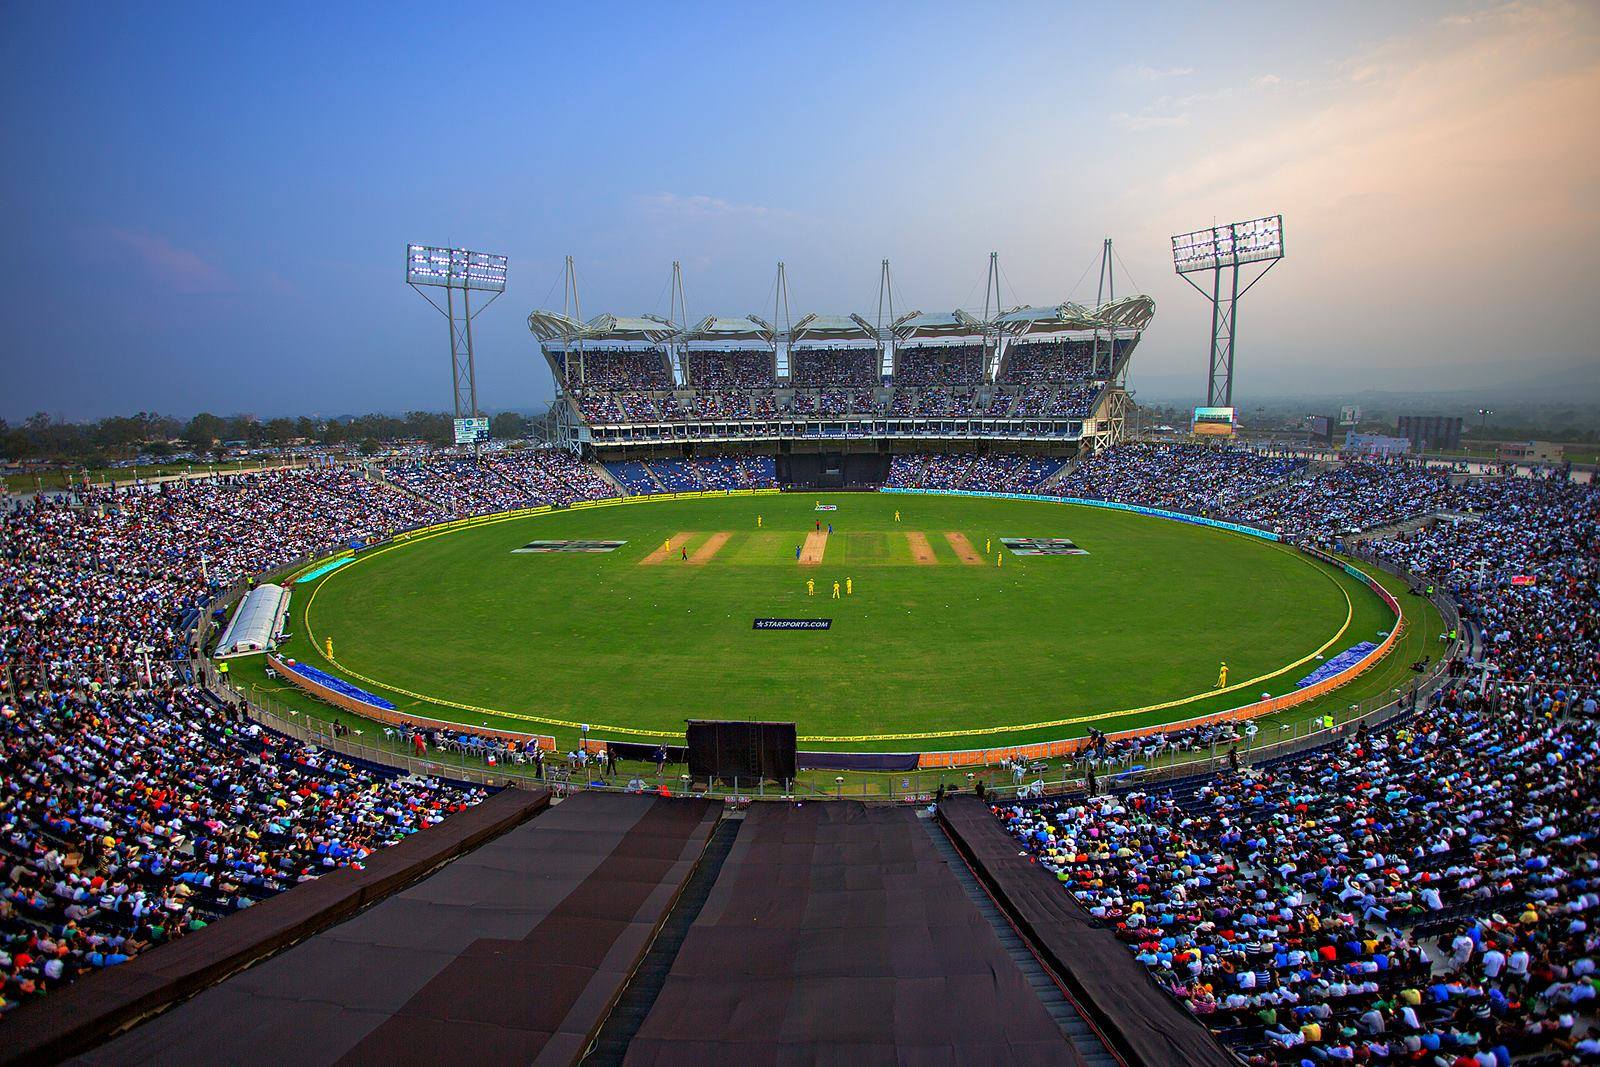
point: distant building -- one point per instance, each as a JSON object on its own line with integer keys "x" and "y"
{"x": 1532, "y": 452}
{"x": 1432, "y": 433}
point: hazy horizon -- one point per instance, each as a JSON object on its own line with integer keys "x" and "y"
{"x": 213, "y": 212}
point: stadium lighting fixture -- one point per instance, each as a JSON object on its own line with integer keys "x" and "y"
{"x": 459, "y": 270}
{"x": 1220, "y": 249}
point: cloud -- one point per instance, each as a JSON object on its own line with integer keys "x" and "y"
{"x": 179, "y": 270}
{"x": 1155, "y": 74}
{"x": 1167, "y": 112}
{"x": 1149, "y": 120}
{"x": 700, "y": 206}
{"x": 1495, "y": 13}
{"x": 1443, "y": 167}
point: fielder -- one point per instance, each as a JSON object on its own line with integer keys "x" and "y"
{"x": 811, "y": 587}
{"x": 849, "y": 586}
{"x": 1222, "y": 676}
{"x": 836, "y": 590}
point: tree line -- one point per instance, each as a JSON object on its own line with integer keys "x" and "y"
{"x": 122, "y": 437}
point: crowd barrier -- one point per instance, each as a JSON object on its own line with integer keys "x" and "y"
{"x": 395, "y": 717}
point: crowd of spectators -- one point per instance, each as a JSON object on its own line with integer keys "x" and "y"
{"x": 941, "y": 365}
{"x": 618, "y": 370}
{"x": 500, "y": 480}
{"x": 1040, "y": 379}
{"x": 1073, "y": 401}
{"x": 705, "y": 473}
{"x": 1179, "y": 477}
{"x": 135, "y": 807}
{"x": 833, "y": 367}
{"x": 991, "y": 472}
{"x": 1357, "y": 495}
{"x": 1420, "y": 893}
{"x": 1040, "y": 362}
{"x": 737, "y": 369}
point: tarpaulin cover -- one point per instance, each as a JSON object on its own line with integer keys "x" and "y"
{"x": 836, "y": 934}
{"x": 1343, "y": 661}
{"x": 511, "y": 954}
{"x": 1111, "y": 988}
{"x": 858, "y": 761}
{"x": 75, "y": 1018}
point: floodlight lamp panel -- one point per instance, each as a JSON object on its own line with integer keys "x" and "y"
{"x": 455, "y": 268}
{"x": 1235, "y": 244}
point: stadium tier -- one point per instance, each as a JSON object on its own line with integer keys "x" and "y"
{"x": 1056, "y": 376}
{"x": 1416, "y": 889}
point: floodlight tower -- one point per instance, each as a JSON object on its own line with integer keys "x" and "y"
{"x": 453, "y": 270}
{"x": 1225, "y": 249}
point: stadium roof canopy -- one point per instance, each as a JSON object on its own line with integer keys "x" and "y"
{"x": 821, "y": 328}
{"x": 255, "y": 626}
{"x": 936, "y": 324}
{"x": 727, "y": 328}
{"x": 602, "y": 329}
{"x": 1129, "y": 313}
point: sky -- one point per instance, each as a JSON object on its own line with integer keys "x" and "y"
{"x": 207, "y": 205}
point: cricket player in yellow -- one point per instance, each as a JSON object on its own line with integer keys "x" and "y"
{"x": 1222, "y": 676}
{"x": 1000, "y": 557}
{"x": 988, "y": 545}
{"x": 329, "y": 647}
{"x": 849, "y": 586}
{"x": 897, "y": 515}
{"x": 758, "y": 522}
{"x": 836, "y": 590}
{"x": 666, "y": 546}
{"x": 811, "y": 586}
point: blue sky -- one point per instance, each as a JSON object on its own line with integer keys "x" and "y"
{"x": 208, "y": 204}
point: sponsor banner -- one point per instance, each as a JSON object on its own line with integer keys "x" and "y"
{"x": 570, "y": 546}
{"x": 1348, "y": 658}
{"x": 1524, "y": 579}
{"x": 792, "y": 624}
{"x": 1042, "y": 546}
{"x": 826, "y": 507}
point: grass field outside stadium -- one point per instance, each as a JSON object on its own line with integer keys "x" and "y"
{"x": 935, "y": 646}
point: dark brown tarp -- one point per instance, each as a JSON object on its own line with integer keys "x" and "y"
{"x": 836, "y": 934}
{"x": 511, "y": 954}
{"x": 91, "y": 1009}
{"x": 1142, "y": 1022}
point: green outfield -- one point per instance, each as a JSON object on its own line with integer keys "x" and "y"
{"x": 934, "y": 645}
